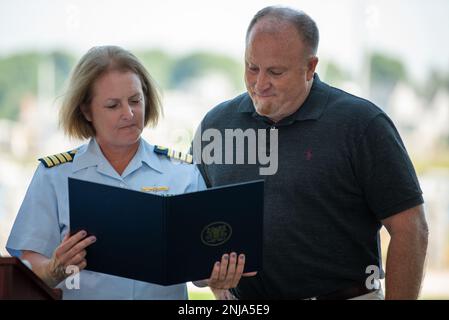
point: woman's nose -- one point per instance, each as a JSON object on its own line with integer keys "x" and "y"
{"x": 127, "y": 111}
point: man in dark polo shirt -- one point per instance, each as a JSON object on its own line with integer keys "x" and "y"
{"x": 342, "y": 172}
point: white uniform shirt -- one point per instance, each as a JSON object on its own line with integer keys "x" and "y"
{"x": 43, "y": 218}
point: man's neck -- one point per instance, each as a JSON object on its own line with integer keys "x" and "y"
{"x": 298, "y": 103}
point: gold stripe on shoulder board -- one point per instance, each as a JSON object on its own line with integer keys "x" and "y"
{"x": 47, "y": 161}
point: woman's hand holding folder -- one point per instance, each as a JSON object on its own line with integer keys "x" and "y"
{"x": 226, "y": 274}
{"x": 71, "y": 252}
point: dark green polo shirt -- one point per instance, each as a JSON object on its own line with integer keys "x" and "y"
{"x": 342, "y": 169}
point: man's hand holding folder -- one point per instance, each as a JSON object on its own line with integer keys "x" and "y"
{"x": 225, "y": 274}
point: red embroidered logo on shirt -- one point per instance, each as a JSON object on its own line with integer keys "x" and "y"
{"x": 308, "y": 154}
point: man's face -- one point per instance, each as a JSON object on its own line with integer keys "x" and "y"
{"x": 278, "y": 69}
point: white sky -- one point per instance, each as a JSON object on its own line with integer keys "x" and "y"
{"x": 414, "y": 30}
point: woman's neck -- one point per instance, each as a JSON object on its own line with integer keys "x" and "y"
{"x": 119, "y": 157}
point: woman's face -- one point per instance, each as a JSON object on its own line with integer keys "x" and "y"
{"x": 117, "y": 109}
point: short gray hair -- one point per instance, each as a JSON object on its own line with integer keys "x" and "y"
{"x": 305, "y": 25}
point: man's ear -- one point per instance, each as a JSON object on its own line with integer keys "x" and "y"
{"x": 86, "y": 112}
{"x": 311, "y": 66}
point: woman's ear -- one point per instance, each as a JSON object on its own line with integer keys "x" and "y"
{"x": 86, "y": 112}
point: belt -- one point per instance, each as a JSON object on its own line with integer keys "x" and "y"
{"x": 344, "y": 294}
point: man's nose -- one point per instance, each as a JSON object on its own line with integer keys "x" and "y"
{"x": 262, "y": 82}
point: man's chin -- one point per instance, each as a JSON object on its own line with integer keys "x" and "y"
{"x": 263, "y": 110}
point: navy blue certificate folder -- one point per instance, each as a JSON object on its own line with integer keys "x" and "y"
{"x": 167, "y": 239}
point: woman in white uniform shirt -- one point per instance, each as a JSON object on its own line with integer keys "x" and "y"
{"x": 110, "y": 99}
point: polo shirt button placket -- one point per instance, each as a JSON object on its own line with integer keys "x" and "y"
{"x": 268, "y": 141}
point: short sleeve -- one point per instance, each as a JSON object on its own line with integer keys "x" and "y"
{"x": 384, "y": 169}
{"x": 36, "y": 227}
{"x": 196, "y": 154}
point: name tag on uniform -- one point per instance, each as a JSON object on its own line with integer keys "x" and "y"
{"x": 154, "y": 189}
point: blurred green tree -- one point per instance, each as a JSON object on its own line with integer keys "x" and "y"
{"x": 437, "y": 80}
{"x": 385, "y": 72}
{"x": 19, "y": 73}
{"x": 333, "y": 73}
{"x": 159, "y": 64}
{"x": 19, "y": 78}
{"x": 199, "y": 63}
{"x": 386, "y": 69}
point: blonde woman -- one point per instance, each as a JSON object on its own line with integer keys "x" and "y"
{"x": 110, "y": 99}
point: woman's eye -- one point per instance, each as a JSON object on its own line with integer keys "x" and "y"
{"x": 111, "y": 106}
{"x": 136, "y": 101}
{"x": 276, "y": 73}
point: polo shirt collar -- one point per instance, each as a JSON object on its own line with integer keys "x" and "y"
{"x": 312, "y": 108}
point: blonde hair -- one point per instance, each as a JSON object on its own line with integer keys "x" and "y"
{"x": 96, "y": 62}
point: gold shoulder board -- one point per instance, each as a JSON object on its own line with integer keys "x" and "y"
{"x": 57, "y": 159}
{"x": 170, "y": 153}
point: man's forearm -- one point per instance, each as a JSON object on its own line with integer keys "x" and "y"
{"x": 405, "y": 264}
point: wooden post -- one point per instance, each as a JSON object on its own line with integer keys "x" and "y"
{"x": 18, "y": 282}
